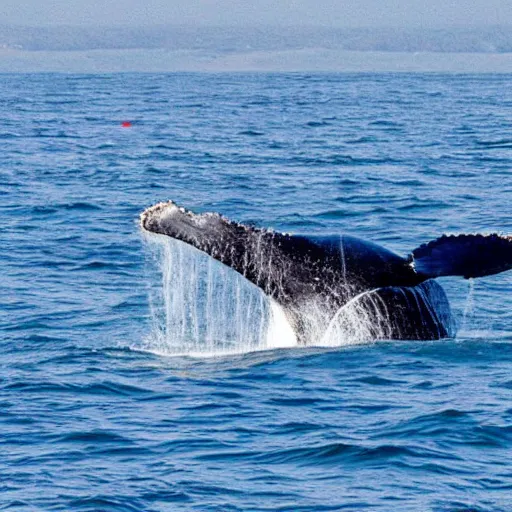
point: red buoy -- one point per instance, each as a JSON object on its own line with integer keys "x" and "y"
{"x": 126, "y": 124}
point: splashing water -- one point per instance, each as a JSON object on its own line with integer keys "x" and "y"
{"x": 201, "y": 307}
{"x": 469, "y": 306}
{"x": 356, "y": 321}
{"x": 204, "y": 308}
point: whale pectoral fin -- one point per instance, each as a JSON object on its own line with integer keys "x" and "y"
{"x": 464, "y": 255}
{"x": 287, "y": 268}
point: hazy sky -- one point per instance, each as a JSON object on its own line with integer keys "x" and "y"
{"x": 401, "y": 13}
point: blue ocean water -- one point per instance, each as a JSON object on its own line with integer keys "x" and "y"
{"x": 93, "y": 417}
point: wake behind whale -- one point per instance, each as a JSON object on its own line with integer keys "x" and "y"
{"x": 289, "y": 290}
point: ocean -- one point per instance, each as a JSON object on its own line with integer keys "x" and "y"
{"x": 105, "y": 406}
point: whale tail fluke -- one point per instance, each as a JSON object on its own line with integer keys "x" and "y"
{"x": 464, "y": 255}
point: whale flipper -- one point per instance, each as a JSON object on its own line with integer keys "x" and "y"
{"x": 291, "y": 268}
{"x": 287, "y": 268}
{"x": 464, "y": 255}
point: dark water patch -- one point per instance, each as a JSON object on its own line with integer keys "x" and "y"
{"x": 338, "y": 214}
{"x": 328, "y": 454}
{"x": 423, "y": 205}
{"x": 154, "y": 185}
{"x": 491, "y": 436}
{"x": 185, "y": 445}
{"x": 506, "y": 384}
{"x": 9, "y": 135}
{"x": 427, "y": 384}
{"x": 469, "y": 197}
{"x": 366, "y": 408}
{"x": 46, "y": 134}
{"x": 192, "y": 105}
{"x": 166, "y": 145}
{"x": 204, "y": 407}
{"x": 44, "y": 210}
{"x": 408, "y": 183}
{"x": 497, "y": 161}
{"x": 323, "y": 161}
{"x": 104, "y": 388}
{"x": 495, "y": 144}
{"x": 316, "y": 124}
{"x": 259, "y": 101}
{"x": 105, "y": 503}
{"x": 164, "y": 495}
{"x": 296, "y": 402}
{"x": 438, "y": 469}
{"x": 104, "y": 266}
{"x": 104, "y": 145}
{"x": 125, "y": 452}
{"x": 348, "y": 182}
{"x": 375, "y": 380}
{"x": 444, "y": 423}
{"x": 387, "y": 125}
{"x": 205, "y": 489}
{"x": 503, "y": 484}
{"x": 251, "y": 133}
{"x": 44, "y": 339}
{"x": 366, "y": 139}
{"x": 94, "y": 437}
{"x": 298, "y": 427}
{"x": 228, "y": 395}
{"x": 17, "y": 504}
{"x": 79, "y": 206}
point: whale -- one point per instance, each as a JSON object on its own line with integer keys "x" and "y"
{"x": 313, "y": 278}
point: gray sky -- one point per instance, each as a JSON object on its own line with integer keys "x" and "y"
{"x": 428, "y": 13}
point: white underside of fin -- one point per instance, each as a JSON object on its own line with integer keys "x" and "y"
{"x": 280, "y": 333}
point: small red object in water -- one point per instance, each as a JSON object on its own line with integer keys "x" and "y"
{"x": 126, "y": 124}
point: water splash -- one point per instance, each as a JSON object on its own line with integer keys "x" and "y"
{"x": 356, "y": 321}
{"x": 201, "y": 307}
{"x": 469, "y": 306}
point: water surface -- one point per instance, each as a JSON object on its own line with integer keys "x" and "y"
{"x": 95, "y": 417}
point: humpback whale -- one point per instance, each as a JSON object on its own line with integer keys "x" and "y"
{"x": 314, "y": 277}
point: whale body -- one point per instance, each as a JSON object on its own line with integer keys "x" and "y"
{"x": 312, "y": 277}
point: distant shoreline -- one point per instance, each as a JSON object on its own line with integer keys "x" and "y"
{"x": 305, "y": 60}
